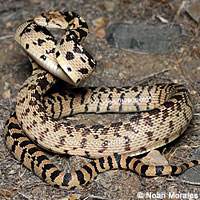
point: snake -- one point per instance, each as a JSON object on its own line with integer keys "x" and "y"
{"x": 164, "y": 110}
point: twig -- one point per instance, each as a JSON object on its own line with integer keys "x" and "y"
{"x": 3, "y": 194}
{"x": 152, "y": 75}
{"x": 6, "y": 37}
{"x": 23, "y": 195}
{"x": 96, "y": 197}
{"x": 184, "y": 181}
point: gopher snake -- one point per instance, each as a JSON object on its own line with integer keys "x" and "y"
{"x": 167, "y": 111}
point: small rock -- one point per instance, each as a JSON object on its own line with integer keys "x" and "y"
{"x": 154, "y": 158}
{"x": 116, "y": 60}
{"x": 8, "y": 24}
{"x": 109, "y": 5}
{"x": 99, "y": 22}
{"x": 193, "y": 92}
{"x": 12, "y": 172}
{"x": 6, "y": 94}
{"x": 10, "y": 47}
{"x": 194, "y": 12}
{"x": 128, "y": 62}
{"x": 100, "y": 33}
{"x": 108, "y": 64}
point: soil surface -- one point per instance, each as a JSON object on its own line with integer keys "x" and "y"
{"x": 116, "y": 67}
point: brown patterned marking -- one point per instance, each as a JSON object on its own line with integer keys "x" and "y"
{"x": 155, "y": 111}
{"x": 79, "y": 126}
{"x": 22, "y": 100}
{"x": 105, "y": 143}
{"x": 34, "y": 122}
{"x": 95, "y": 136}
{"x": 36, "y": 95}
{"x": 136, "y": 119}
{"x": 128, "y": 127}
{"x": 86, "y": 132}
{"x": 97, "y": 127}
{"x": 165, "y": 115}
{"x": 62, "y": 140}
{"x": 43, "y": 83}
{"x": 149, "y": 134}
{"x": 178, "y": 107}
{"x": 104, "y": 131}
{"x": 148, "y": 121}
{"x": 186, "y": 118}
{"x": 171, "y": 125}
{"x": 116, "y": 134}
{"x": 24, "y": 113}
{"x": 32, "y": 103}
{"x": 27, "y": 110}
{"x": 57, "y": 127}
{"x": 117, "y": 124}
{"x": 40, "y": 109}
{"x": 69, "y": 131}
{"x": 127, "y": 143}
{"x": 42, "y": 135}
{"x": 34, "y": 113}
{"x": 44, "y": 119}
{"x": 143, "y": 149}
{"x": 83, "y": 143}
{"x": 104, "y": 146}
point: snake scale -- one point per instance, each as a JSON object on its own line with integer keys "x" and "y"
{"x": 164, "y": 110}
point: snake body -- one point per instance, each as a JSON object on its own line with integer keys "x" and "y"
{"x": 164, "y": 112}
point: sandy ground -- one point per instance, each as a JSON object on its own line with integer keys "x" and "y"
{"x": 116, "y": 67}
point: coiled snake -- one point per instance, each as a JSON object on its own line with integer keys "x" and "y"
{"x": 167, "y": 110}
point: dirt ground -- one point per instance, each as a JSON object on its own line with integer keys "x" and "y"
{"x": 116, "y": 67}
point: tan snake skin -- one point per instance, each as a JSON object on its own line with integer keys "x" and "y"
{"x": 167, "y": 113}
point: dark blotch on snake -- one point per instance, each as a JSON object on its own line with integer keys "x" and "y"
{"x": 57, "y": 54}
{"x": 27, "y": 46}
{"x": 43, "y": 57}
{"x": 69, "y": 69}
{"x": 40, "y": 42}
{"x": 83, "y": 71}
{"x": 69, "y": 55}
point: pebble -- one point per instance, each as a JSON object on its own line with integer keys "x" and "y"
{"x": 100, "y": 33}
{"x": 100, "y": 24}
{"x": 110, "y": 5}
{"x": 100, "y": 21}
{"x": 108, "y": 64}
{"x": 154, "y": 158}
{"x": 193, "y": 11}
{"x": 6, "y": 94}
